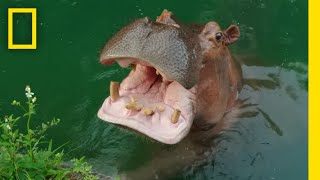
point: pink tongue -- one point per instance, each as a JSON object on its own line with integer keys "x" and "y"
{"x": 150, "y": 88}
{"x": 140, "y": 80}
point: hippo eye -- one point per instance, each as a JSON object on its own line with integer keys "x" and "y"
{"x": 219, "y": 36}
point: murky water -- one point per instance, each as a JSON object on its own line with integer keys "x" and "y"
{"x": 268, "y": 142}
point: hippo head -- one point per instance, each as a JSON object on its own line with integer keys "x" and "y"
{"x": 159, "y": 96}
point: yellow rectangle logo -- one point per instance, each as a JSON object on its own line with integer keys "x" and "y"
{"x": 33, "y": 12}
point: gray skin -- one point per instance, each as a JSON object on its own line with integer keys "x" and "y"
{"x": 175, "y": 52}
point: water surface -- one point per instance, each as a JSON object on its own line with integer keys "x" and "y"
{"x": 268, "y": 142}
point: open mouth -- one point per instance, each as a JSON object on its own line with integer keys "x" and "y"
{"x": 149, "y": 102}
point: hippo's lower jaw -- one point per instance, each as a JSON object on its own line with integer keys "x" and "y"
{"x": 162, "y": 110}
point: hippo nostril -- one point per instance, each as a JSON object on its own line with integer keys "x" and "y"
{"x": 147, "y": 21}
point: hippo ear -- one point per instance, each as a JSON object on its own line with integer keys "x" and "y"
{"x": 232, "y": 34}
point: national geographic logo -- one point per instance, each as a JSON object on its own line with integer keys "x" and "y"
{"x": 33, "y": 12}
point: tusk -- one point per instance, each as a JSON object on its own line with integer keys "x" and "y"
{"x": 157, "y": 72}
{"x": 114, "y": 90}
{"x": 175, "y": 116}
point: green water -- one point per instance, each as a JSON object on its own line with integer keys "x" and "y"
{"x": 268, "y": 142}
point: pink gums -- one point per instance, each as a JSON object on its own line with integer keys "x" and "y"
{"x": 163, "y": 97}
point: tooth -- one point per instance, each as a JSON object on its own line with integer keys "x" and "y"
{"x": 133, "y": 106}
{"x": 175, "y": 116}
{"x": 157, "y": 72}
{"x": 133, "y": 67}
{"x": 114, "y": 90}
{"x": 161, "y": 108}
{"x": 148, "y": 111}
{"x": 133, "y": 99}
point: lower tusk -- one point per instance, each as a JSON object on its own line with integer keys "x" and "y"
{"x": 175, "y": 116}
{"x": 114, "y": 90}
{"x": 157, "y": 72}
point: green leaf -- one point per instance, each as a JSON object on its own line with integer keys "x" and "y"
{"x": 30, "y": 161}
{"x": 50, "y": 145}
{"x": 15, "y": 134}
{"x": 44, "y": 126}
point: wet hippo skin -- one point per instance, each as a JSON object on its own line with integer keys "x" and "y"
{"x": 183, "y": 77}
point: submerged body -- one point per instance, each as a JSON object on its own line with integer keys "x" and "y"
{"x": 183, "y": 75}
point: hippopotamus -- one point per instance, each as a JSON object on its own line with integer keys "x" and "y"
{"x": 183, "y": 77}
